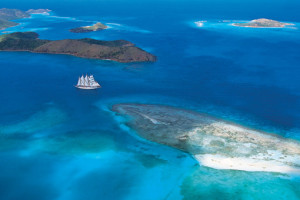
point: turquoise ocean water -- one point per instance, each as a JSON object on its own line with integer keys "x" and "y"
{"x": 57, "y": 142}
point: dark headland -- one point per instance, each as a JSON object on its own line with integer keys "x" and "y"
{"x": 117, "y": 50}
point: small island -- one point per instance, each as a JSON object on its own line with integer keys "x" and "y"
{"x": 213, "y": 142}
{"x": 263, "y": 23}
{"x": 117, "y": 50}
{"x": 84, "y": 29}
{"x": 38, "y": 11}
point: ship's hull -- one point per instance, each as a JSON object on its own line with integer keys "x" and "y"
{"x": 87, "y": 87}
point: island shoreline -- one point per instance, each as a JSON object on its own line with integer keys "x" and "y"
{"x": 34, "y": 52}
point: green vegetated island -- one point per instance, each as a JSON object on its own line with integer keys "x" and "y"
{"x": 6, "y": 15}
{"x": 84, "y": 29}
{"x": 117, "y": 50}
{"x": 213, "y": 142}
{"x": 263, "y": 23}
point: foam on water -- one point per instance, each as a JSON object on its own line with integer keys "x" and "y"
{"x": 117, "y": 26}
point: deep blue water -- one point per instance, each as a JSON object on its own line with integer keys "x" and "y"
{"x": 58, "y": 142}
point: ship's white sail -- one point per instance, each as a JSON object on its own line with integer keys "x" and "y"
{"x": 92, "y": 82}
{"x": 79, "y": 81}
{"x": 82, "y": 80}
{"x": 96, "y": 84}
{"x": 87, "y": 82}
{"x": 91, "y": 78}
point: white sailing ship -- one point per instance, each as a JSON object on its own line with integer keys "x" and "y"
{"x": 87, "y": 83}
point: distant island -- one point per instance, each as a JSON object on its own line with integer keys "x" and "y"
{"x": 38, "y": 11}
{"x": 263, "y": 23}
{"x": 117, "y": 50}
{"x": 84, "y": 29}
{"x": 12, "y": 14}
{"x": 6, "y": 15}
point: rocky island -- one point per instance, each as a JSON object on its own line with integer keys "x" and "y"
{"x": 84, "y": 29}
{"x": 117, "y": 50}
{"x": 38, "y": 11}
{"x": 263, "y": 23}
{"x": 213, "y": 142}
